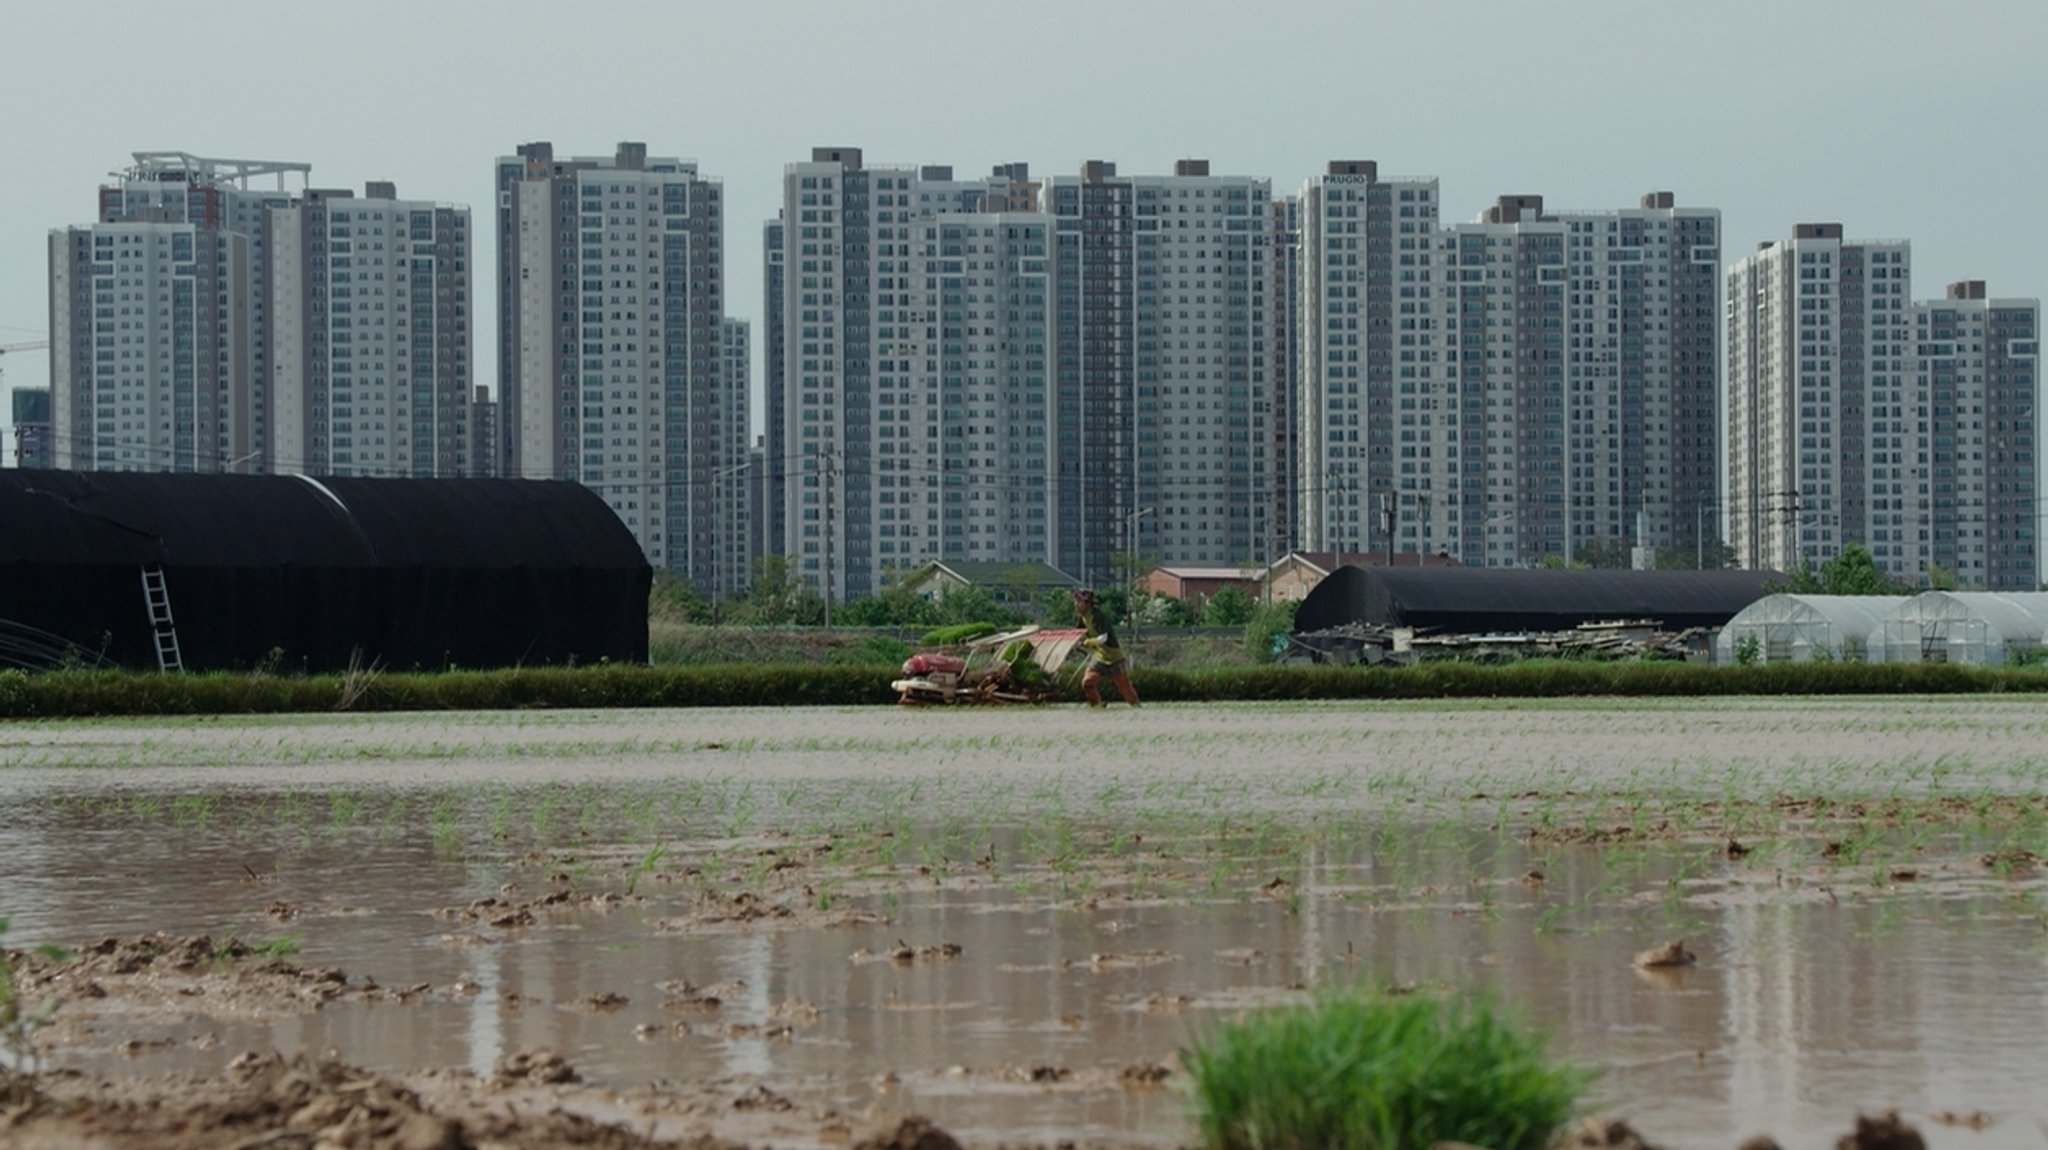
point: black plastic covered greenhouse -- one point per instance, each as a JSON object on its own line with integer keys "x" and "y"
{"x": 1486, "y": 600}
{"x": 311, "y": 574}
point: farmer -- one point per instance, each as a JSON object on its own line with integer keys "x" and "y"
{"x": 1104, "y": 656}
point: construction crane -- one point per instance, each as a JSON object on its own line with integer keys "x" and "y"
{"x": 38, "y": 345}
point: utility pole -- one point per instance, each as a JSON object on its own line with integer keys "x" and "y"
{"x": 1136, "y": 567}
{"x": 720, "y": 556}
{"x": 1387, "y": 522}
{"x": 1334, "y": 512}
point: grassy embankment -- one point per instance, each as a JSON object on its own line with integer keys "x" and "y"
{"x": 759, "y": 684}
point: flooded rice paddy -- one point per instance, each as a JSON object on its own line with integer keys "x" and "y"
{"x": 792, "y": 926}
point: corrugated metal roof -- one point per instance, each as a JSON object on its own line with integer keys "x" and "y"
{"x": 1249, "y": 573}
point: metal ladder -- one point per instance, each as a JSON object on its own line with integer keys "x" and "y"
{"x": 158, "y": 597}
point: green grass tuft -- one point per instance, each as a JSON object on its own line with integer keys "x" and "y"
{"x": 1370, "y": 1072}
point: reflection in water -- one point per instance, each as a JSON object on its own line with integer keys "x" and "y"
{"x": 751, "y": 962}
{"x": 1814, "y": 997}
{"x": 486, "y": 1033}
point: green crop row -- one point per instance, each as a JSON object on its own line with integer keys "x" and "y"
{"x": 614, "y": 685}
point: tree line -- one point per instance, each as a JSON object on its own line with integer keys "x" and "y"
{"x": 777, "y": 597}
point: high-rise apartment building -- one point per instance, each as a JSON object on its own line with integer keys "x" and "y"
{"x": 612, "y": 293}
{"x": 1284, "y": 346}
{"x": 1817, "y": 326}
{"x": 1525, "y": 385}
{"x": 1978, "y": 369}
{"x": 735, "y": 505}
{"x": 915, "y": 369}
{"x": 1642, "y": 306}
{"x": 1162, "y": 402}
{"x": 1361, "y": 234}
{"x": 771, "y": 472}
{"x": 1856, "y": 415}
{"x": 159, "y": 319}
{"x": 369, "y": 305}
{"x": 1508, "y": 390}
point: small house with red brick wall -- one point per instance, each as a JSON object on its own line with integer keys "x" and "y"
{"x": 1198, "y": 584}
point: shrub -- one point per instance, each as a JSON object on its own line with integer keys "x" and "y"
{"x": 1369, "y": 1072}
{"x": 1263, "y": 632}
{"x": 872, "y": 651}
{"x": 1748, "y": 651}
{"x": 954, "y": 634}
{"x": 1230, "y": 606}
{"x": 863, "y": 673}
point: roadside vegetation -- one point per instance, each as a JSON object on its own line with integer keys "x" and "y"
{"x": 81, "y": 693}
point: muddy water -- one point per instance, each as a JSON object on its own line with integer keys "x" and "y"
{"x": 1114, "y": 883}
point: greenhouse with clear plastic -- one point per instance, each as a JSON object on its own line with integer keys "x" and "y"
{"x": 1803, "y": 628}
{"x": 1973, "y": 627}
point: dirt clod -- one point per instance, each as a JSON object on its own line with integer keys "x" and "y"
{"x": 904, "y": 954}
{"x": 794, "y": 1012}
{"x": 427, "y": 1132}
{"x": 912, "y": 1133}
{"x": 762, "y": 1098}
{"x": 2012, "y": 860}
{"x": 1600, "y": 1133}
{"x": 1143, "y": 1074}
{"x": 1671, "y": 954}
{"x": 1124, "y": 960}
{"x": 543, "y": 1067}
{"x": 1887, "y": 1131}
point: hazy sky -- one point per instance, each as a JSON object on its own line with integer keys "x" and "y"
{"x": 1918, "y": 119}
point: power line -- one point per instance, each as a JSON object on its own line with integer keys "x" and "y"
{"x": 924, "y": 469}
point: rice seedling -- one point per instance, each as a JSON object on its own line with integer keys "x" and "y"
{"x": 646, "y": 866}
{"x": 1366, "y": 1072}
{"x": 193, "y": 810}
{"x": 19, "y": 1019}
{"x": 283, "y": 946}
